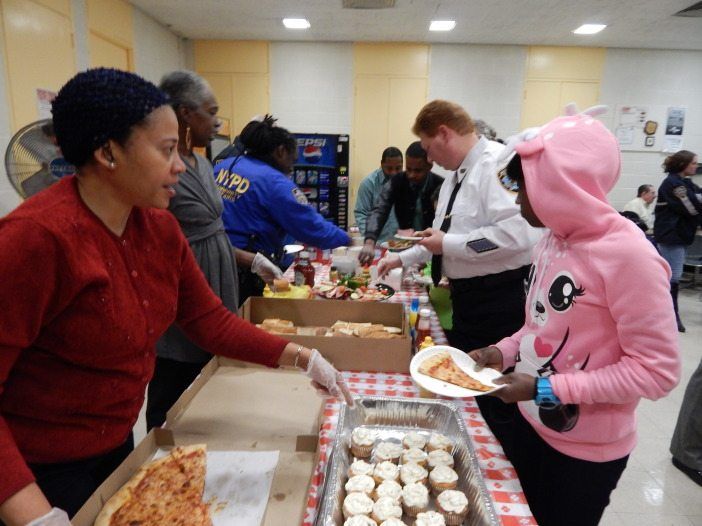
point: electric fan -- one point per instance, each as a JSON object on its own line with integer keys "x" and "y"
{"x": 33, "y": 161}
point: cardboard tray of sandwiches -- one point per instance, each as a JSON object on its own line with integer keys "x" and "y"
{"x": 353, "y": 336}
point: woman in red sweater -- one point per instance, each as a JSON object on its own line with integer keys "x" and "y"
{"x": 94, "y": 270}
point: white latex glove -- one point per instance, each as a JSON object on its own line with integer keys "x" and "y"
{"x": 265, "y": 268}
{"x": 387, "y": 263}
{"x": 55, "y": 517}
{"x": 327, "y": 379}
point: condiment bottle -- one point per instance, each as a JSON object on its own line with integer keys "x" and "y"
{"x": 423, "y": 325}
{"x": 413, "y": 312}
{"x": 304, "y": 271}
{"x": 333, "y": 275}
{"x": 427, "y": 342}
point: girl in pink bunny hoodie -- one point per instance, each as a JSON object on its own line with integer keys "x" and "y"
{"x": 599, "y": 331}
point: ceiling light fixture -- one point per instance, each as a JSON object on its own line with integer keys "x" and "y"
{"x": 589, "y": 29}
{"x": 442, "y": 25}
{"x": 296, "y": 23}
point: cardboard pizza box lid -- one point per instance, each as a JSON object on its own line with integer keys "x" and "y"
{"x": 233, "y": 406}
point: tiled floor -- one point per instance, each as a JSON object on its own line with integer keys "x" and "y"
{"x": 651, "y": 491}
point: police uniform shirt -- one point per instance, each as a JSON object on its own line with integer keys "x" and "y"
{"x": 487, "y": 235}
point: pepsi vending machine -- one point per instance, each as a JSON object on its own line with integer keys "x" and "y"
{"x": 322, "y": 173}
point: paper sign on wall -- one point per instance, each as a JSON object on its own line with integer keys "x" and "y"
{"x": 674, "y": 127}
{"x": 645, "y": 128}
{"x": 44, "y": 99}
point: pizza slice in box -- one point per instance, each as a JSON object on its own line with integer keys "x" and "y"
{"x": 166, "y": 491}
{"x": 442, "y": 367}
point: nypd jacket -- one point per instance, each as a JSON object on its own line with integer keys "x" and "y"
{"x": 398, "y": 191}
{"x": 262, "y": 206}
{"x": 678, "y": 211}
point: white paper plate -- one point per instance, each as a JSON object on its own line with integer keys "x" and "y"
{"x": 386, "y": 246}
{"x": 409, "y": 238}
{"x": 465, "y": 362}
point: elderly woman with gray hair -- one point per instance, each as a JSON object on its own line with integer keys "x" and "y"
{"x": 197, "y": 206}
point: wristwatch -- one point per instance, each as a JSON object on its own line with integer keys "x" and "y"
{"x": 543, "y": 394}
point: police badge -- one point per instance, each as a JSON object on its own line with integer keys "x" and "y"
{"x": 506, "y": 181}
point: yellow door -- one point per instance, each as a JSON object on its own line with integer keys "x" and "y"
{"x": 250, "y": 98}
{"x": 38, "y": 53}
{"x": 541, "y": 102}
{"x": 104, "y": 53}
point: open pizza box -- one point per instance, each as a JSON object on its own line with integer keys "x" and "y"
{"x": 346, "y": 353}
{"x": 233, "y": 406}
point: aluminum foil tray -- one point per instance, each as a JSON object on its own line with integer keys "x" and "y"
{"x": 391, "y": 418}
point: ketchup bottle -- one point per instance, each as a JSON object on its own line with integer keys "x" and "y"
{"x": 423, "y": 325}
{"x": 304, "y": 271}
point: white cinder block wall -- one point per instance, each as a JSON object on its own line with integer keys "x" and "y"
{"x": 311, "y": 86}
{"x": 8, "y": 197}
{"x": 488, "y": 81}
{"x": 156, "y": 49}
{"x": 652, "y": 77}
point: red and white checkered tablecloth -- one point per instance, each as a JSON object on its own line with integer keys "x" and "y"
{"x": 498, "y": 473}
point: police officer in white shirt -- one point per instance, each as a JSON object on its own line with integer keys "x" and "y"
{"x": 479, "y": 240}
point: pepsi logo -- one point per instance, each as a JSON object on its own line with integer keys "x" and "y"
{"x": 312, "y": 154}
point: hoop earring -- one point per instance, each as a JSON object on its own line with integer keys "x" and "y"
{"x": 188, "y": 140}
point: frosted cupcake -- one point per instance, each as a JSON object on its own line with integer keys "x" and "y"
{"x": 410, "y": 473}
{"x": 361, "y": 467}
{"x": 386, "y": 470}
{"x": 414, "y": 439}
{"x": 362, "y": 441}
{"x": 393, "y": 522}
{"x": 453, "y": 505}
{"x": 430, "y": 518}
{"x": 357, "y": 504}
{"x": 388, "y": 451}
{"x": 360, "y": 520}
{"x": 439, "y": 441}
{"x": 442, "y": 478}
{"x": 390, "y": 489}
{"x": 386, "y": 508}
{"x": 360, "y": 483}
{"x": 439, "y": 457}
{"x": 415, "y": 499}
{"x": 416, "y": 455}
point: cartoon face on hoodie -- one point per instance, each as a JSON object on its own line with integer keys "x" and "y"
{"x": 598, "y": 311}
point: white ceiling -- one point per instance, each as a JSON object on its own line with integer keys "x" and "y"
{"x": 636, "y": 24}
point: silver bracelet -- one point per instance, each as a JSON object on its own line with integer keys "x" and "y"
{"x": 297, "y": 355}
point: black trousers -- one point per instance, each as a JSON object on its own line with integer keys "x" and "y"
{"x": 561, "y": 489}
{"x": 249, "y": 285}
{"x": 69, "y": 484}
{"x": 171, "y": 378}
{"x": 485, "y": 310}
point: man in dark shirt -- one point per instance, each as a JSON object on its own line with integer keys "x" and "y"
{"x": 410, "y": 192}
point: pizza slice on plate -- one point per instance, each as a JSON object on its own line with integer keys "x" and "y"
{"x": 166, "y": 491}
{"x": 442, "y": 367}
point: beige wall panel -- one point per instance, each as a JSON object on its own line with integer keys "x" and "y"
{"x": 370, "y": 129}
{"x": 250, "y": 98}
{"x": 41, "y": 38}
{"x": 60, "y": 6}
{"x": 221, "y": 84}
{"x": 572, "y": 63}
{"x": 584, "y": 94}
{"x": 541, "y": 102}
{"x": 104, "y": 53}
{"x": 112, "y": 19}
{"x": 407, "y": 96}
{"x": 231, "y": 56}
{"x": 391, "y": 59}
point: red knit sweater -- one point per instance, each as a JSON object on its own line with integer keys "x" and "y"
{"x": 80, "y": 312}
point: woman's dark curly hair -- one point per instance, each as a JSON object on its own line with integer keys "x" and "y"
{"x": 261, "y": 138}
{"x": 98, "y": 105}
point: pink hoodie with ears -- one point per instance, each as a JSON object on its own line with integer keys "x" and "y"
{"x": 599, "y": 316}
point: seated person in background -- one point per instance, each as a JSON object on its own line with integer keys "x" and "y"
{"x": 411, "y": 193}
{"x": 262, "y": 206}
{"x": 369, "y": 191}
{"x": 642, "y": 205}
